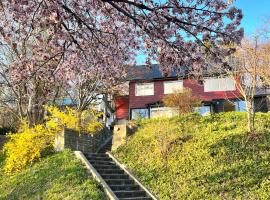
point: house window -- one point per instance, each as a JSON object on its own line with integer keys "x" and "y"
{"x": 139, "y": 113}
{"x": 228, "y": 106}
{"x": 203, "y": 110}
{"x": 144, "y": 89}
{"x": 240, "y": 106}
{"x": 224, "y": 106}
{"x": 162, "y": 112}
{"x": 219, "y": 84}
{"x": 172, "y": 86}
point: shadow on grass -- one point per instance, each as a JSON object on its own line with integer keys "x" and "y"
{"x": 2, "y": 158}
{"x": 241, "y": 165}
{"x": 56, "y": 174}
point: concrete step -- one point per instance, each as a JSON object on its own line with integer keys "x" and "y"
{"x": 100, "y": 167}
{"x": 119, "y": 181}
{"x": 106, "y": 148}
{"x": 96, "y": 155}
{"x": 91, "y": 159}
{"x": 115, "y": 176}
{"x": 111, "y": 171}
{"x": 131, "y": 193}
{"x": 136, "y": 198}
{"x": 125, "y": 187}
{"x": 100, "y": 162}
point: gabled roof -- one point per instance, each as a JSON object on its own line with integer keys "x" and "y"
{"x": 147, "y": 72}
{"x": 154, "y": 72}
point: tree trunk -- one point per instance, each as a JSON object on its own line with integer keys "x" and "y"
{"x": 105, "y": 99}
{"x": 79, "y": 116}
{"x": 249, "y": 129}
{"x": 250, "y": 117}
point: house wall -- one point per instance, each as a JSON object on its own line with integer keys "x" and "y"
{"x": 263, "y": 91}
{"x": 142, "y": 101}
{"x": 122, "y": 107}
{"x": 197, "y": 89}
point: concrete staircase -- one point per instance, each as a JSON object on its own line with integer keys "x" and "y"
{"x": 106, "y": 147}
{"x": 122, "y": 184}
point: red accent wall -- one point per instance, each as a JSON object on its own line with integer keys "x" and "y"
{"x": 142, "y": 101}
{"x": 198, "y": 89}
{"x": 122, "y": 107}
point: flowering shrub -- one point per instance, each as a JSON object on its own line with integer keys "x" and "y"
{"x": 27, "y": 146}
{"x": 58, "y": 119}
{"x": 81, "y": 121}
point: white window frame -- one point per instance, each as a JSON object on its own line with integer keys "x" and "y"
{"x": 222, "y": 84}
{"x": 171, "y": 86}
{"x": 141, "y": 91}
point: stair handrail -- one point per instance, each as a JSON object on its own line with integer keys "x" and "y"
{"x": 105, "y": 137}
{"x": 104, "y": 144}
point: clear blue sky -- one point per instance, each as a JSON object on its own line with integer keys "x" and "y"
{"x": 255, "y": 11}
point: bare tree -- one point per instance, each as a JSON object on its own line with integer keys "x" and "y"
{"x": 264, "y": 55}
{"x": 249, "y": 66}
{"x": 265, "y": 29}
{"x": 184, "y": 101}
{"x": 27, "y": 87}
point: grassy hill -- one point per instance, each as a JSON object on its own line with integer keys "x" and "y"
{"x": 194, "y": 157}
{"x": 59, "y": 176}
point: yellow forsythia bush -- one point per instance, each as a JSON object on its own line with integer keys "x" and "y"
{"x": 58, "y": 119}
{"x": 27, "y": 146}
{"x": 81, "y": 121}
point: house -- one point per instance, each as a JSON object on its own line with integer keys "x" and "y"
{"x": 147, "y": 87}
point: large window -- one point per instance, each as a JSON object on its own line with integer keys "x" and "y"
{"x": 203, "y": 110}
{"x": 172, "y": 86}
{"x": 240, "y": 106}
{"x": 162, "y": 112}
{"x": 144, "y": 89}
{"x": 139, "y": 113}
{"x": 228, "y": 106}
{"x": 219, "y": 84}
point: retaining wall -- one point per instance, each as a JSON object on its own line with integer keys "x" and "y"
{"x": 81, "y": 141}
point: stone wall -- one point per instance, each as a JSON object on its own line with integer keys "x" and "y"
{"x": 3, "y": 140}
{"x": 85, "y": 142}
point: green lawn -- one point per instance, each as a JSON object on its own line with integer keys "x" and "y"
{"x": 195, "y": 157}
{"x": 59, "y": 176}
